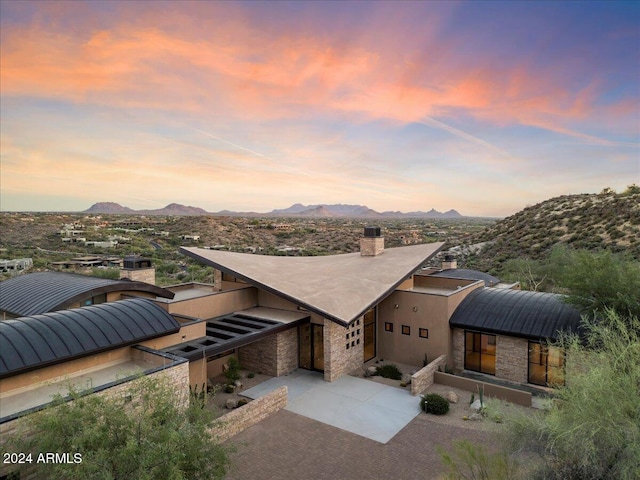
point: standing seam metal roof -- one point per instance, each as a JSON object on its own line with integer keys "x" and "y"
{"x": 28, "y": 343}
{"x": 42, "y": 292}
{"x": 530, "y": 315}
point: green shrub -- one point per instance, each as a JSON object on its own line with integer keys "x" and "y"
{"x": 233, "y": 370}
{"x": 251, "y": 375}
{"x": 389, "y": 371}
{"x": 434, "y": 403}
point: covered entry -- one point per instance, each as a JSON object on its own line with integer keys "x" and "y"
{"x": 311, "y": 350}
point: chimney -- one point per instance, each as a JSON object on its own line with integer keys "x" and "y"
{"x": 372, "y": 243}
{"x": 138, "y": 269}
{"x": 449, "y": 262}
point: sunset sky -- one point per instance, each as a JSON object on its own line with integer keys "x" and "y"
{"x": 484, "y": 107}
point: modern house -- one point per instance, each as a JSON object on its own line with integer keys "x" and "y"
{"x": 330, "y": 314}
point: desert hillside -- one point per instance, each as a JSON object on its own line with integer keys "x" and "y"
{"x": 607, "y": 220}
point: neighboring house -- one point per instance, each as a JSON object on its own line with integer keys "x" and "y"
{"x": 278, "y": 313}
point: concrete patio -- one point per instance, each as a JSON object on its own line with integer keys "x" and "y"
{"x": 372, "y": 410}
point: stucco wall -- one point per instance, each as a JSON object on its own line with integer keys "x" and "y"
{"x": 216, "y": 304}
{"x": 60, "y": 371}
{"x": 431, "y": 313}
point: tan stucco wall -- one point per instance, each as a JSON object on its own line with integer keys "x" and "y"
{"x": 433, "y": 313}
{"x": 410, "y": 349}
{"x": 58, "y": 372}
{"x": 214, "y": 367}
{"x": 216, "y": 304}
{"x": 266, "y": 299}
{"x": 198, "y": 373}
{"x": 186, "y": 334}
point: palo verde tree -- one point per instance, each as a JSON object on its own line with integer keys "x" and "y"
{"x": 145, "y": 434}
{"x": 597, "y": 281}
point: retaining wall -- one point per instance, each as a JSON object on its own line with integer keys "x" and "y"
{"x": 504, "y": 393}
{"x": 423, "y": 378}
{"x": 243, "y": 417}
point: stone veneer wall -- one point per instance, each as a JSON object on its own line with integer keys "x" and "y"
{"x": 371, "y": 246}
{"x": 512, "y": 357}
{"x": 458, "y": 349}
{"x": 177, "y": 376}
{"x": 274, "y": 355}
{"x": 343, "y": 349}
{"x": 146, "y": 275}
{"x": 423, "y": 378}
{"x": 243, "y": 417}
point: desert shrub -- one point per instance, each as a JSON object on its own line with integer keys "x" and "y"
{"x": 469, "y": 461}
{"x": 233, "y": 370}
{"x": 389, "y": 371}
{"x": 434, "y": 403}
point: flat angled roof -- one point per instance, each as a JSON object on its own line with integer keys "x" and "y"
{"x": 42, "y": 292}
{"x": 340, "y": 288}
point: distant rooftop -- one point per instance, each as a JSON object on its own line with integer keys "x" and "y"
{"x": 42, "y": 292}
{"x": 466, "y": 274}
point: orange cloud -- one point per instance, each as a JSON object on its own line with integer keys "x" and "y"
{"x": 242, "y": 72}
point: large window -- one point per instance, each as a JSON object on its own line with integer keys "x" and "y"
{"x": 480, "y": 352}
{"x": 546, "y": 364}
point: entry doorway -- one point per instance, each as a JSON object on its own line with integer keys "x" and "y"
{"x": 369, "y": 350}
{"x": 311, "y": 347}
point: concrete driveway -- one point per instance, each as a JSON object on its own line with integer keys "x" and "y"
{"x": 372, "y": 410}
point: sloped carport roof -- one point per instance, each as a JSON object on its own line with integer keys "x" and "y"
{"x": 530, "y": 315}
{"x": 42, "y": 292}
{"x": 340, "y": 288}
{"x": 38, "y": 341}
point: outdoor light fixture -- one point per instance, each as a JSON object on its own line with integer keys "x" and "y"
{"x": 415, "y": 309}
{"x": 396, "y": 306}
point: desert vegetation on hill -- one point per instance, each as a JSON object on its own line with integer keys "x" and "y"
{"x": 605, "y": 221}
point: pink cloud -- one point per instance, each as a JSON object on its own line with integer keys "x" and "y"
{"x": 234, "y": 69}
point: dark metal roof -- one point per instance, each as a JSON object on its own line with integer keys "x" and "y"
{"x": 34, "y": 342}
{"x": 531, "y": 315}
{"x": 43, "y": 292}
{"x": 228, "y": 332}
{"x": 466, "y": 274}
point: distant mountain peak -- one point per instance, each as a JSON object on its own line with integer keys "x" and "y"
{"x": 297, "y": 209}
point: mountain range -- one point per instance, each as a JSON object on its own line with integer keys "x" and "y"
{"x": 295, "y": 210}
